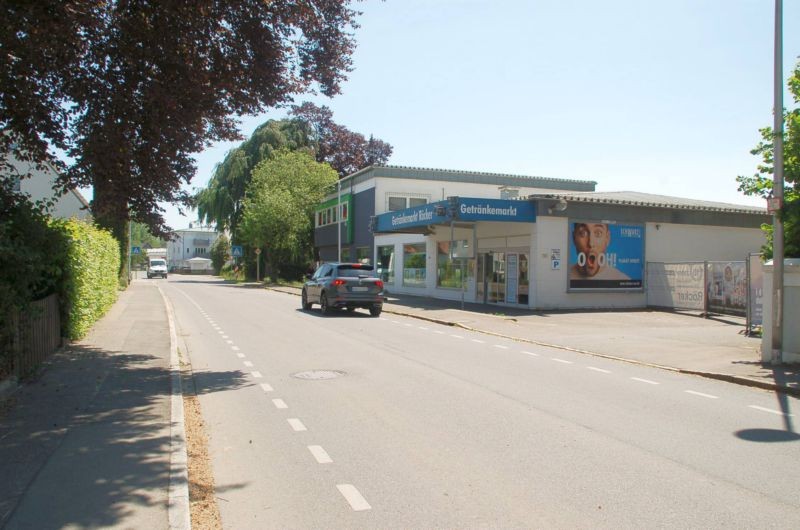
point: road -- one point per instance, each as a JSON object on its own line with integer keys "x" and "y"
{"x": 401, "y": 423}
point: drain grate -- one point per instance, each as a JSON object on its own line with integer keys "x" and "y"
{"x": 317, "y": 375}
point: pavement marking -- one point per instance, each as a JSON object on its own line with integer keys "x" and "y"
{"x": 530, "y": 353}
{"x": 352, "y": 496}
{"x": 257, "y": 375}
{"x": 229, "y": 341}
{"x": 409, "y": 325}
{"x": 645, "y": 381}
{"x": 501, "y": 346}
{"x": 423, "y": 328}
{"x": 240, "y": 355}
{"x": 296, "y": 424}
{"x": 248, "y": 364}
{"x": 601, "y": 370}
{"x": 320, "y": 454}
{"x": 709, "y": 396}
{"x": 439, "y": 332}
{"x": 280, "y": 404}
{"x": 764, "y": 409}
{"x": 556, "y": 359}
{"x": 457, "y": 336}
{"x": 225, "y": 336}
{"x": 235, "y": 348}
{"x": 220, "y": 332}
{"x": 394, "y": 321}
{"x": 479, "y": 341}
{"x": 266, "y": 388}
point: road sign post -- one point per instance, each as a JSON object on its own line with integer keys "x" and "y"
{"x": 258, "y": 264}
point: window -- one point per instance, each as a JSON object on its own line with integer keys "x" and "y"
{"x": 416, "y": 201}
{"x": 397, "y": 203}
{"x": 414, "y": 265}
{"x": 509, "y": 193}
{"x": 364, "y": 255}
{"x": 328, "y": 215}
{"x": 346, "y": 254}
{"x": 386, "y": 263}
{"x": 451, "y": 273}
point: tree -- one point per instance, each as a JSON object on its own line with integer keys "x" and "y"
{"x": 279, "y": 207}
{"x": 130, "y": 90}
{"x": 311, "y": 130}
{"x": 142, "y": 237}
{"x": 220, "y": 252}
{"x": 760, "y": 184}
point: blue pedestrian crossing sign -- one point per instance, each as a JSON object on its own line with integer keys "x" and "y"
{"x": 236, "y": 251}
{"x": 136, "y": 250}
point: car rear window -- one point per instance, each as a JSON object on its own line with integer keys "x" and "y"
{"x": 355, "y": 271}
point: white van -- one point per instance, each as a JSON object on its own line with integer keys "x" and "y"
{"x": 157, "y": 267}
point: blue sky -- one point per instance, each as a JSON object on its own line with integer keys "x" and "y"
{"x": 654, "y": 96}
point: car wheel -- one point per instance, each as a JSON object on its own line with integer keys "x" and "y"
{"x": 165, "y": 276}
{"x": 375, "y": 310}
{"x": 304, "y": 300}
{"x": 323, "y": 304}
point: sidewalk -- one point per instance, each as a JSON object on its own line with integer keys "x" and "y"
{"x": 715, "y": 347}
{"x": 88, "y": 443}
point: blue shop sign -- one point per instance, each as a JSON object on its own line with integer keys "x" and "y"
{"x": 466, "y": 209}
{"x": 496, "y": 210}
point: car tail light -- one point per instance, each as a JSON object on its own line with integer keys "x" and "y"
{"x": 379, "y": 283}
{"x": 338, "y": 282}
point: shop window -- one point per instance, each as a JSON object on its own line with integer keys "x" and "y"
{"x": 386, "y": 263}
{"x": 451, "y": 273}
{"x": 344, "y": 211}
{"x": 414, "y": 265}
{"x": 397, "y": 203}
{"x": 364, "y": 255}
{"x": 416, "y": 201}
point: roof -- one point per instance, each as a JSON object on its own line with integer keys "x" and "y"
{"x": 635, "y": 198}
{"x": 479, "y": 177}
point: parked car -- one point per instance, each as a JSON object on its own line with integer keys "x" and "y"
{"x": 157, "y": 267}
{"x": 345, "y": 286}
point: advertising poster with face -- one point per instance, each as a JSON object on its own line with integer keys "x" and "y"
{"x": 605, "y": 256}
{"x": 727, "y": 287}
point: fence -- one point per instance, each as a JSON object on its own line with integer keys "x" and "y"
{"x": 726, "y": 287}
{"x": 34, "y": 336}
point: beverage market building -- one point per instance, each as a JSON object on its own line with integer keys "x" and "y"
{"x": 534, "y": 242}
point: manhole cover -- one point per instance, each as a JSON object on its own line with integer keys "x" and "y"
{"x": 315, "y": 375}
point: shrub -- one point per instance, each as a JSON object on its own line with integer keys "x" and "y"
{"x": 220, "y": 253}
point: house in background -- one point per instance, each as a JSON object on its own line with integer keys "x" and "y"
{"x": 188, "y": 244}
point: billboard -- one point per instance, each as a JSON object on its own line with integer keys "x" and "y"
{"x": 727, "y": 287}
{"x": 605, "y": 255}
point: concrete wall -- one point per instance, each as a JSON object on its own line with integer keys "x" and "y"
{"x": 679, "y": 242}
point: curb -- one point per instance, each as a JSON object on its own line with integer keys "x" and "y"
{"x": 739, "y": 380}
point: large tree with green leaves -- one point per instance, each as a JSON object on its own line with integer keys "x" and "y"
{"x": 278, "y": 209}
{"x": 309, "y": 129}
{"x": 130, "y": 90}
{"x": 761, "y": 184}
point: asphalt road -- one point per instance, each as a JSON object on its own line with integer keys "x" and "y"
{"x": 426, "y": 426}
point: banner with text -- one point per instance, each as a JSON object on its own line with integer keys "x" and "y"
{"x": 675, "y": 285}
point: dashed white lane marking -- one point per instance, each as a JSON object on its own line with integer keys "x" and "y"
{"x": 320, "y": 454}
{"x": 296, "y": 424}
{"x": 438, "y": 332}
{"x": 764, "y": 409}
{"x": 235, "y": 348}
{"x": 225, "y": 337}
{"x": 280, "y": 404}
{"x": 394, "y": 321}
{"x": 229, "y": 341}
{"x": 352, "y": 496}
{"x": 240, "y": 355}
{"x": 409, "y": 325}
{"x": 248, "y": 364}
{"x": 423, "y": 328}
{"x": 601, "y": 370}
{"x": 257, "y": 375}
{"x": 709, "y": 396}
{"x": 479, "y": 341}
{"x": 645, "y": 381}
{"x": 266, "y": 388}
{"x": 501, "y": 346}
{"x": 530, "y": 353}
{"x": 457, "y": 336}
{"x": 556, "y": 359}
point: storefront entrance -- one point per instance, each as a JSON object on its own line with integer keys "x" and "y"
{"x": 502, "y": 278}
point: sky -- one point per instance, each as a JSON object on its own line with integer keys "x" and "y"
{"x": 655, "y": 96}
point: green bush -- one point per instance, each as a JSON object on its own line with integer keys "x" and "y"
{"x": 220, "y": 253}
{"x": 90, "y": 282}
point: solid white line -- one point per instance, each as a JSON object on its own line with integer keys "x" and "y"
{"x": 764, "y": 409}
{"x": 352, "y": 496}
{"x": 296, "y": 424}
{"x": 257, "y": 375}
{"x": 280, "y": 404}
{"x": 248, "y": 364}
{"x": 501, "y": 346}
{"x": 645, "y": 381}
{"x": 556, "y": 359}
{"x": 598, "y": 370}
{"x": 240, "y": 355}
{"x": 457, "y": 336}
{"x": 266, "y": 388}
{"x": 320, "y": 454}
{"x": 709, "y": 396}
{"x": 530, "y": 353}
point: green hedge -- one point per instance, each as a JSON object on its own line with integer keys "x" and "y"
{"x": 90, "y": 281}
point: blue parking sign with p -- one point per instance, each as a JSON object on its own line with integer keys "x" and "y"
{"x": 236, "y": 251}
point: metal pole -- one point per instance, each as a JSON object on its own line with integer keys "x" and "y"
{"x": 777, "y": 193}
{"x": 339, "y": 220}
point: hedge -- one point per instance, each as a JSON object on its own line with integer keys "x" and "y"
{"x": 90, "y": 281}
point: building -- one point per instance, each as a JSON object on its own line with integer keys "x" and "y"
{"x": 522, "y": 241}
{"x": 189, "y": 243}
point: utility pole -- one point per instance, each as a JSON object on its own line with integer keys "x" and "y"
{"x": 777, "y": 192}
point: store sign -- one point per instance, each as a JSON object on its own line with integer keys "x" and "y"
{"x": 467, "y": 209}
{"x": 605, "y": 255}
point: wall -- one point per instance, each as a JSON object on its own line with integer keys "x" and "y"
{"x": 40, "y": 186}
{"x": 679, "y": 242}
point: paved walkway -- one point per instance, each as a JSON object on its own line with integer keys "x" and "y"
{"x": 683, "y": 342}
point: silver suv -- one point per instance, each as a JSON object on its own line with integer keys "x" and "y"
{"x": 344, "y": 285}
